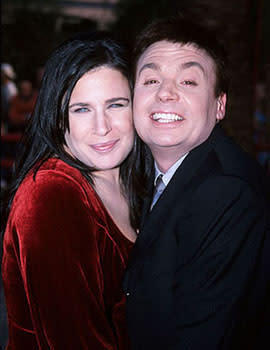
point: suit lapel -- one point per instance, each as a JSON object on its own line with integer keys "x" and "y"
{"x": 147, "y": 202}
{"x": 195, "y": 166}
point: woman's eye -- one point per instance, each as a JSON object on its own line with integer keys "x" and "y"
{"x": 116, "y": 105}
{"x": 81, "y": 110}
{"x": 150, "y": 82}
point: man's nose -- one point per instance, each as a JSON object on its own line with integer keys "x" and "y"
{"x": 168, "y": 91}
{"x": 102, "y": 125}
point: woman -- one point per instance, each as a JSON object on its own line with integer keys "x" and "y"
{"x": 69, "y": 229}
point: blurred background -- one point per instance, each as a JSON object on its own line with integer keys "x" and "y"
{"x": 32, "y": 28}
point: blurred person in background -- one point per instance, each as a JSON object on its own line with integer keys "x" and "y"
{"x": 8, "y": 90}
{"x": 74, "y": 208}
{"x": 21, "y": 106}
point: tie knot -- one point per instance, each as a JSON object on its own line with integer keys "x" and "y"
{"x": 158, "y": 180}
{"x": 159, "y": 186}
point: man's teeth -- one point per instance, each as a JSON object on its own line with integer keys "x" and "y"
{"x": 166, "y": 117}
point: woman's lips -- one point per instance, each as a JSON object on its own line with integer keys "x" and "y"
{"x": 105, "y": 146}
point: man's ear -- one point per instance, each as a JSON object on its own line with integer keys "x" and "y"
{"x": 221, "y": 107}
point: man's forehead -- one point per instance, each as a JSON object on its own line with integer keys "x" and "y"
{"x": 161, "y": 50}
{"x": 166, "y": 48}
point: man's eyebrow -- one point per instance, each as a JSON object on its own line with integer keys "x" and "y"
{"x": 147, "y": 65}
{"x": 185, "y": 65}
{"x": 189, "y": 64}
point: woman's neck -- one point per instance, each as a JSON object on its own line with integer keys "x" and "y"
{"x": 108, "y": 187}
{"x": 108, "y": 177}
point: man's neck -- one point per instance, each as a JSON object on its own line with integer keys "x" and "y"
{"x": 165, "y": 160}
{"x": 170, "y": 172}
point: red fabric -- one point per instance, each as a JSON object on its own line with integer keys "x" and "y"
{"x": 63, "y": 265}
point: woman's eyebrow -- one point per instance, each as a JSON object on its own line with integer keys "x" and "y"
{"x": 116, "y": 99}
{"x": 81, "y": 104}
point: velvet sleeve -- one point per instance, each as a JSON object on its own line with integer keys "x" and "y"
{"x": 231, "y": 222}
{"x": 56, "y": 239}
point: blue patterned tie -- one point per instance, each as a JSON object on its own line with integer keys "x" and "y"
{"x": 159, "y": 187}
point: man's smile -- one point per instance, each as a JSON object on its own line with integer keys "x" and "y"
{"x": 166, "y": 117}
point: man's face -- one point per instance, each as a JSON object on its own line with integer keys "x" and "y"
{"x": 175, "y": 107}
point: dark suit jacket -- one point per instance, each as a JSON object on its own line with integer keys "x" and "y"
{"x": 198, "y": 277}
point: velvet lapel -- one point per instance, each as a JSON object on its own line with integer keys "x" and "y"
{"x": 196, "y": 165}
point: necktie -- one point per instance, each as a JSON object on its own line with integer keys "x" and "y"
{"x": 159, "y": 187}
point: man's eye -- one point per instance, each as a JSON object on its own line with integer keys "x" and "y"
{"x": 150, "y": 82}
{"x": 189, "y": 82}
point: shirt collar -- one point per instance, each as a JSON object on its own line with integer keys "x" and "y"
{"x": 170, "y": 172}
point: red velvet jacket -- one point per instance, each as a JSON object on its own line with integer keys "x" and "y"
{"x": 63, "y": 265}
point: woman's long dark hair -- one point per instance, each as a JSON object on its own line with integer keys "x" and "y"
{"x": 45, "y": 134}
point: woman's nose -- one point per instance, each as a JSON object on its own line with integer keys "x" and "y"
{"x": 102, "y": 125}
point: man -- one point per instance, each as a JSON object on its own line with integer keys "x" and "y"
{"x": 198, "y": 277}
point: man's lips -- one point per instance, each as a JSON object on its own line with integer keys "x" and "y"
{"x": 166, "y": 117}
{"x": 105, "y": 146}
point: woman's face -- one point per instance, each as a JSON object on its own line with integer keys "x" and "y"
{"x": 100, "y": 118}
